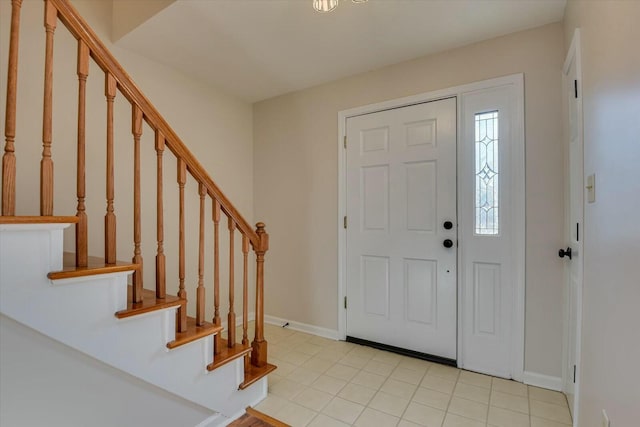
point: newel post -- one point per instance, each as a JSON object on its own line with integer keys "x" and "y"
{"x": 259, "y": 352}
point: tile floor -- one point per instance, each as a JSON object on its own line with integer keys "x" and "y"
{"x": 325, "y": 383}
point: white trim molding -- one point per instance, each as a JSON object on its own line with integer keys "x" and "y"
{"x": 303, "y": 327}
{"x": 542, "y": 381}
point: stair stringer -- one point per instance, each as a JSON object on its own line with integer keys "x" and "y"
{"x": 79, "y": 312}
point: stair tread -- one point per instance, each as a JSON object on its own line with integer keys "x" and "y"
{"x": 256, "y": 373}
{"x": 38, "y": 219}
{"x": 193, "y": 332}
{"x": 96, "y": 265}
{"x": 227, "y": 354}
{"x": 149, "y": 303}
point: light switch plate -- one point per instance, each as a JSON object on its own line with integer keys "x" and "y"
{"x": 591, "y": 188}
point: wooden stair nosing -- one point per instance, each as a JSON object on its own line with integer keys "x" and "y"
{"x": 228, "y": 354}
{"x": 193, "y": 333}
{"x": 5, "y": 219}
{"x": 149, "y": 303}
{"x": 255, "y": 373}
{"x": 96, "y": 265}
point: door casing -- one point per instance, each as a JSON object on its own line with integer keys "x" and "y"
{"x": 517, "y": 81}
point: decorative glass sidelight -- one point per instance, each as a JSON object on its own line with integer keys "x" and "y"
{"x": 487, "y": 174}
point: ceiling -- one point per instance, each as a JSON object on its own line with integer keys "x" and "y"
{"x": 258, "y": 49}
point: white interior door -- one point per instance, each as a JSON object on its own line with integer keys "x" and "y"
{"x": 574, "y": 202}
{"x": 401, "y": 189}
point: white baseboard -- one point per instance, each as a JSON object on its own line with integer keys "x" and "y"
{"x": 303, "y": 327}
{"x": 543, "y": 381}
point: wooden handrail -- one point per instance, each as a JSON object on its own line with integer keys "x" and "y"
{"x": 70, "y": 17}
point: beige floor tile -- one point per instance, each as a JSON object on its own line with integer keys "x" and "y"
{"x": 453, "y": 420}
{"x": 398, "y": 388}
{"x": 357, "y": 393}
{"x": 442, "y": 371}
{"x": 364, "y": 352}
{"x": 274, "y": 378}
{"x": 313, "y": 399}
{"x": 508, "y": 386}
{"x": 271, "y": 404}
{"x": 472, "y": 392}
{"x": 392, "y": 405}
{"x": 379, "y": 368}
{"x": 343, "y": 410}
{"x": 541, "y": 422}
{"x": 331, "y": 355}
{"x": 295, "y": 415}
{"x": 438, "y": 384}
{"x": 407, "y": 375}
{"x": 284, "y": 368}
{"x": 317, "y": 364}
{"x": 371, "y": 417}
{"x": 322, "y": 420}
{"x": 468, "y": 408}
{"x": 321, "y": 341}
{"x": 295, "y": 357}
{"x": 405, "y": 423}
{"x": 550, "y": 411}
{"x": 509, "y": 401}
{"x": 303, "y": 376}
{"x": 287, "y": 389}
{"x": 368, "y": 379}
{"x": 505, "y": 418}
{"x": 308, "y": 348}
{"x": 328, "y": 384}
{"x": 432, "y": 398}
{"x": 424, "y": 415}
{"x": 342, "y": 372}
{"x": 388, "y": 358}
{"x": 549, "y": 396}
{"x": 354, "y": 360}
{"x": 476, "y": 379}
{"x": 415, "y": 364}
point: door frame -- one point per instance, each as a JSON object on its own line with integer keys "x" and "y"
{"x": 517, "y": 80}
{"x": 573, "y": 56}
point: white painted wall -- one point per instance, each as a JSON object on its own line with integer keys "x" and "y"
{"x": 45, "y": 383}
{"x": 611, "y": 95}
{"x": 295, "y": 152}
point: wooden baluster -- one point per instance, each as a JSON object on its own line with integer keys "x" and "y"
{"x": 200, "y": 295}
{"x": 110, "y": 217}
{"x": 217, "y": 347}
{"x": 136, "y": 130}
{"x": 161, "y": 284}
{"x": 82, "y": 248}
{"x": 181, "y": 321}
{"x": 245, "y": 298}
{"x": 231, "y": 318}
{"x": 46, "y": 164}
{"x": 9, "y": 158}
{"x": 259, "y": 353}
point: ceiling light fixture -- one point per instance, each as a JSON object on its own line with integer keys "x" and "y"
{"x": 328, "y": 5}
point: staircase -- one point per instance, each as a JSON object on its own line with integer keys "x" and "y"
{"x": 120, "y": 312}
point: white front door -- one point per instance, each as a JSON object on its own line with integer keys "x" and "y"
{"x": 402, "y": 227}
{"x": 574, "y": 200}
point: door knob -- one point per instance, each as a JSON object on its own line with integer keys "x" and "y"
{"x": 448, "y": 225}
{"x": 448, "y": 243}
{"x": 564, "y": 253}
